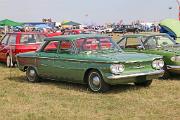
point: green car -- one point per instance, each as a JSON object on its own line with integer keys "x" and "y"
{"x": 160, "y": 44}
{"x": 89, "y": 59}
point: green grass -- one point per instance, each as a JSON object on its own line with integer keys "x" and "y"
{"x": 21, "y": 100}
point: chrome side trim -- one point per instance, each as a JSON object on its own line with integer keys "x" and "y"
{"x": 158, "y": 72}
{"x": 73, "y": 60}
{"x": 169, "y": 67}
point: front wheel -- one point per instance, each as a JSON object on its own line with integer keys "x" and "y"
{"x": 32, "y": 75}
{"x": 96, "y": 82}
{"x": 146, "y": 83}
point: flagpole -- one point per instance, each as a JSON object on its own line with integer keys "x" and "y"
{"x": 178, "y": 2}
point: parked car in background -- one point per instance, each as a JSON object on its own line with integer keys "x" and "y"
{"x": 73, "y": 32}
{"x": 119, "y": 30}
{"x": 131, "y": 28}
{"x": 128, "y": 28}
{"x": 89, "y": 59}
{"x": 101, "y": 30}
{"x": 160, "y": 44}
{"x": 18, "y": 42}
{"x": 108, "y": 30}
{"x": 54, "y": 34}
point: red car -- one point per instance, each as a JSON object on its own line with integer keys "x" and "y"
{"x": 54, "y": 34}
{"x": 18, "y": 42}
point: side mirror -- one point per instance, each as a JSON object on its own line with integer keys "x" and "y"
{"x": 140, "y": 47}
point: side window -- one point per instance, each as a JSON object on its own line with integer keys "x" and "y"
{"x": 91, "y": 44}
{"x": 105, "y": 43}
{"x": 133, "y": 42}
{"x": 66, "y": 47}
{"x": 28, "y": 39}
{"x": 122, "y": 43}
{"x": 51, "y": 47}
{"x": 12, "y": 39}
{"x": 151, "y": 43}
{"x": 39, "y": 37}
{"x": 5, "y": 40}
{"x": 79, "y": 43}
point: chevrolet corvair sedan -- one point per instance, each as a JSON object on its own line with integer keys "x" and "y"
{"x": 91, "y": 59}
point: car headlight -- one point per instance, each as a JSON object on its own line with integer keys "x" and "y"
{"x": 175, "y": 59}
{"x": 117, "y": 68}
{"x": 158, "y": 64}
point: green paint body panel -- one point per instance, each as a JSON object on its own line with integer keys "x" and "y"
{"x": 167, "y": 53}
{"x": 72, "y": 67}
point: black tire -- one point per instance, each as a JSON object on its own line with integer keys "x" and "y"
{"x": 9, "y": 62}
{"x": 166, "y": 73}
{"x": 136, "y": 31}
{"x": 32, "y": 75}
{"x": 146, "y": 83}
{"x": 96, "y": 82}
{"x": 102, "y": 32}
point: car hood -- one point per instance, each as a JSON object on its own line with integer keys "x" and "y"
{"x": 125, "y": 57}
{"x": 173, "y": 49}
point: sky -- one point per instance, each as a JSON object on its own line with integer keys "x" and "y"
{"x": 88, "y": 11}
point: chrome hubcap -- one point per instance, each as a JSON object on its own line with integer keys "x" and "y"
{"x": 31, "y": 73}
{"x": 96, "y": 80}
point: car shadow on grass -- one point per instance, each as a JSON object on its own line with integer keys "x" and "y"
{"x": 123, "y": 88}
{"x": 175, "y": 77}
{"x": 3, "y": 65}
{"x": 75, "y": 86}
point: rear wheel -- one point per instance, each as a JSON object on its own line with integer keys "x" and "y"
{"x": 144, "y": 83}
{"x": 32, "y": 75}
{"x": 9, "y": 62}
{"x": 96, "y": 82}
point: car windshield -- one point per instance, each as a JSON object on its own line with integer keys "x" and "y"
{"x": 158, "y": 42}
{"x": 99, "y": 44}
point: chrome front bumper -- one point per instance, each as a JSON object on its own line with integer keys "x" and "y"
{"x": 175, "y": 69}
{"x": 158, "y": 73}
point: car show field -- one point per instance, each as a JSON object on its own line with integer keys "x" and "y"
{"x": 90, "y": 60}
{"x": 46, "y": 100}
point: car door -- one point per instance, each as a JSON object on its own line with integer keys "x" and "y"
{"x": 45, "y": 59}
{"x": 12, "y": 46}
{"x": 3, "y": 46}
{"x": 66, "y": 66}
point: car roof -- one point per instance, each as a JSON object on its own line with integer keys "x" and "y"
{"x": 74, "y": 37}
{"x": 144, "y": 35}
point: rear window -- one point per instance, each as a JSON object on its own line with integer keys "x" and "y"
{"x": 94, "y": 44}
{"x": 31, "y": 38}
